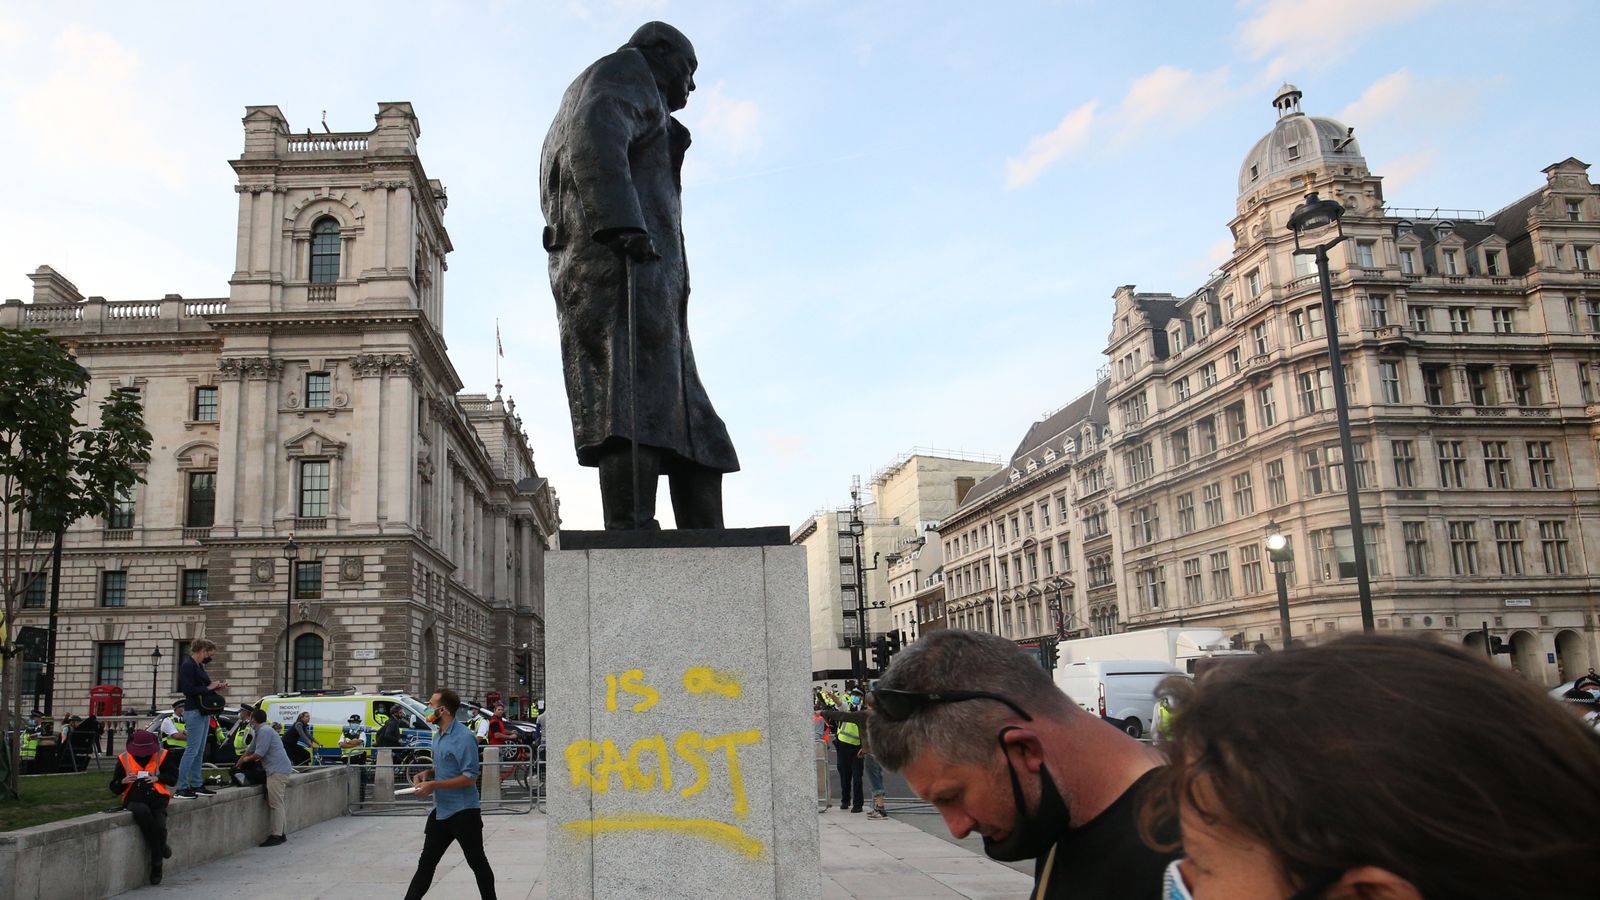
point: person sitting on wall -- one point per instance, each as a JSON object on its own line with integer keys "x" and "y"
{"x": 144, "y": 777}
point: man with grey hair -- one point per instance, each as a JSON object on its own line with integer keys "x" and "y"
{"x": 981, "y": 732}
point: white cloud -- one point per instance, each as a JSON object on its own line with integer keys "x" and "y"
{"x": 11, "y": 36}
{"x": 733, "y": 125}
{"x": 1318, "y": 27}
{"x": 1172, "y": 95}
{"x": 89, "y": 113}
{"x": 1389, "y": 93}
{"x": 1406, "y": 169}
{"x": 1047, "y": 149}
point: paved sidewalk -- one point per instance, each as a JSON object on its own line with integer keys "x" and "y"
{"x": 358, "y": 857}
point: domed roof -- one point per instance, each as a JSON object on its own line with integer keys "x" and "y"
{"x": 1297, "y": 141}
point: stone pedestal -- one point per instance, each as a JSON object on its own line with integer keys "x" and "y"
{"x": 679, "y": 754}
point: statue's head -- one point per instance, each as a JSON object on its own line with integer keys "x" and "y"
{"x": 671, "y": 58}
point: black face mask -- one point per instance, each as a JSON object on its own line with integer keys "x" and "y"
{"x": 206, "y": 661}
{"x": 1032, "y": 833}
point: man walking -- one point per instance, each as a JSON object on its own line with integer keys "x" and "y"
{"x": 192, "y": 682}
{"x": 267, "y": 748}
{"x": 453, "y": 784}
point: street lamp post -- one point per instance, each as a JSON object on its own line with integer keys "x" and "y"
{"x": 155, "y": 677}
{"x": 1316, "y": 216}
{"x": 1282, "y": 556}
{"x": 291, "y": 552}
{"x": 1059, "y": 584}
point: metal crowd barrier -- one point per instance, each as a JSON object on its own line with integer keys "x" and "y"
{"x": 511, "y": 781}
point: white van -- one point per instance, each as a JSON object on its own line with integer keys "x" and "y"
{"x": 1120, "y": 690}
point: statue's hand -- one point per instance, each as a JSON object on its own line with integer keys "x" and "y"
{"x": 635, "y": 244}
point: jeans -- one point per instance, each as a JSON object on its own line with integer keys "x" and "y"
{"x": 465, "y": 826}
{"x": 875, "y": 777}
{"x": 196, "y": 723}
{"x": 849, "y": 766}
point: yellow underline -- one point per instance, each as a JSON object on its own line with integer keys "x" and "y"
{"x": 730, "y": 836}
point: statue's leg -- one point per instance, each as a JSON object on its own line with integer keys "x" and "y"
{"x": 616, "y": 486}
{"x": 696, "y": 496}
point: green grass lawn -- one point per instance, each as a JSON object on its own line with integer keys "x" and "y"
{"x": 51, "y": 798}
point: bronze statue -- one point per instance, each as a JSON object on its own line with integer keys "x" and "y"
{"x": 611, "y": 190}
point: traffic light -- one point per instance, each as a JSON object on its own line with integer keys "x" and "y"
{"x": 1052, "y": 653}
{"x": 880, "y": 653}
{"x": 894, "y": 642}
{"x": 1498, "y": 645}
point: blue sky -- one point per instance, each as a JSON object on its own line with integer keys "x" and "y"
{"x": 904, "y": 220}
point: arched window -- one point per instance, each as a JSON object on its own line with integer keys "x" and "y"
{"x": 325, "y": 251}
{"x": 308, "y": 662}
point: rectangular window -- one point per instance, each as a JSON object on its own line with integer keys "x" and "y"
{"x": 1478, "y": 382}
{"x": 1193, "y": 591}
{"x": 1250, "y": 568}
{"x": 1336, "y": 553}
{"x": 1180, "y": 446}
{"x": 1206, "y": 429}
{"x": 1233, "y": 420}
{"x": 202, "y": 507}
{"x": 1211, "y": 496}
{"x": 1501, "y": 316}
{"x": 1311, "y": 472}
{"x": 1586, "y": 377}
{"x": 1420, "y": 319}
{"x": 1202, "y": 325}
{"x": 1416, "y": 538}
{"x": 1408, "y": 262}
{"x": 1508, "y": 546}
{"x": 1405, "y": 464}
{"x": 1389, "y": 381}
{"x": 1452, "y": 464}
{"x": 1364, "y": 254}
{"x": 1000, "y": 531}
{"x": 1491, "y": 262}
{"x": 308, "y": 580}
{"x": 1185, "y": 506}
{"x": 1027, "y": 521}
{"x": 205, "y": 404}
{"x": 1044, "y": 513}
{"x": 1269, "y": 409}
{"x": 1258, "y": 338}
{"x": 1140, "y": 463}
{"x": 1221, "y": 576}
{"x": 1574, "y": 211}
{"x": 1304, "y": 265}
{"x": 113, "y": 588}
{"x": 1277, "y": 484}
{"x": 1580, "y": 258}
{"x": 1434, "y": 379}
{"x": 1553, "y": 546}
{"x": 1497, "y": 464}
{"x": 1234, "y": 363}
{"x": 1316, "y": 391}
{"x": 1208, "y": 375}
{"x": 314, "y": 489}
{"x": 1451, "y": 266}
{"x": 121, "y": 512}
{"x": 319, "y": 390}
{"x": 34, "y": 595}
{"x": 1005, "y": 574}
{"x": 1180, "y": 389}
{"x": 195, "y": 582}
{"x": 1463, "y": 548}
{"x": 1244, "y": 494}
{"x": 1377, "y": 310}
{"x": 108, "y": 663}
{"x": 1151, "y": 588}
{"x": 1460, "y": 320}
{"x": 1541, "y": 464}
{"x": 1253, "y": 282}
{"x": 1524, "y": 381}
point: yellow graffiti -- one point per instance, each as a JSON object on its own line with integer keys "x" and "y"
{"x": 729, "y": 836}
{"x": 594, "y": 764}
{"x": 704, "y": 680}
{"x": 631, "y": 682}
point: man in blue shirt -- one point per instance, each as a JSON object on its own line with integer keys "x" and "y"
{"x": 453, "y": 784}
{"x": 267, "y": 747}
{"x": 192, "y": 682}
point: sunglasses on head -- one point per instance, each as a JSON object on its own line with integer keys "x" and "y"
{"x": 897, "y": 706}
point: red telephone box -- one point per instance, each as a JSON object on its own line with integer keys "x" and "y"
{"x": 491, "y": 698}
{"x": 105, "y": 700}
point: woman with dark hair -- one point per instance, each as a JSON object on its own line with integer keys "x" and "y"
{"x": 1381, "y": 769}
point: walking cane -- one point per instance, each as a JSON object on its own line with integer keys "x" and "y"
{"x": 633, "y": 385}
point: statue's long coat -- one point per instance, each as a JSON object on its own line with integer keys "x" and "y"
{"x": 612, "y": 160}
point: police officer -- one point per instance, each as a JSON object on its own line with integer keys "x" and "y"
{"x": 847, "y": 755}
{"x": 174, "y": 737}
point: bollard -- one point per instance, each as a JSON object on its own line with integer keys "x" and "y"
{"x": 383, "y": 777}
{"x": 490, "y": 773}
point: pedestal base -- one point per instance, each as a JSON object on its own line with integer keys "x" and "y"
{"x": 679, "y": 735}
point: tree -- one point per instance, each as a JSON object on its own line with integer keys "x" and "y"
{"x": 54, "y": 470}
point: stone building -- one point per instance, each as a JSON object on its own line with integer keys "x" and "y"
{"x": 1472, "y": 348}
{"x": 317, "y": 401}
{"x": 1014, "y": 545}
{"x": 906, "y": 501}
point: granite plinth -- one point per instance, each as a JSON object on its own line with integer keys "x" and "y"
{"x": 680, "y": 752}
{"x": 659, "y": 539}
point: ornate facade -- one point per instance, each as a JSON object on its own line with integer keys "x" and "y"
{"x": 317, "y": 400}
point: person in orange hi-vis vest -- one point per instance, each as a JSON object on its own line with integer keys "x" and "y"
{"x": 143, "y": 778}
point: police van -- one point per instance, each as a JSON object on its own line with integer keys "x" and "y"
{"x": 331, "y": 711}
